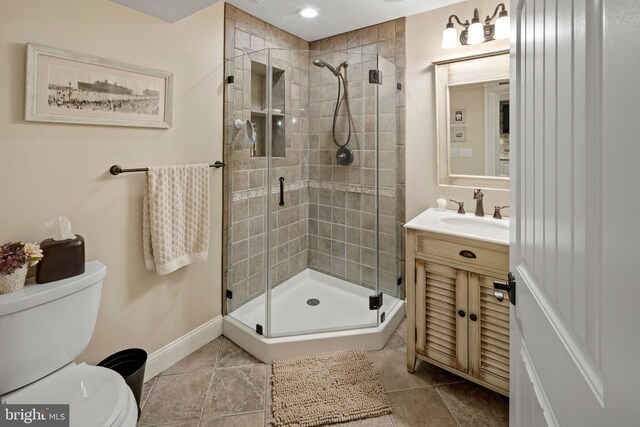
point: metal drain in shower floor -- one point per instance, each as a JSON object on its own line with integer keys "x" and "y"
{"x": 313, "y": 301}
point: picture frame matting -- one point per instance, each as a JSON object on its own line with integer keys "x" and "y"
{"x": 70, "y": 87}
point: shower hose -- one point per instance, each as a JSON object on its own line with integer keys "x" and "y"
{"x": 342, "y": 82}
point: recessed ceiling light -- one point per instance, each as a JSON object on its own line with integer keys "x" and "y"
{"x": 308, "y": 12}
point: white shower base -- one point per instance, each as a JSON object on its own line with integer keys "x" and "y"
{"x": 342, "y": 319}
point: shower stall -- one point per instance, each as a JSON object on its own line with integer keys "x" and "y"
{"x": 312, "y": 239}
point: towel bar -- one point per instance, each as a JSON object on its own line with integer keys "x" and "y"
{"x": 117, "y": 170}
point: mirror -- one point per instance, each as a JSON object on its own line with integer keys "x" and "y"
{"x": 479, "y": 123}
{"x": 472, "y": 99}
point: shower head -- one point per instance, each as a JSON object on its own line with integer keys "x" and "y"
{"x": 320, "y": 63}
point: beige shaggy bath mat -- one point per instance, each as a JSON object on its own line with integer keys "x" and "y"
{"x": 326, "y": 388}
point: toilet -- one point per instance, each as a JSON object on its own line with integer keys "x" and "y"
{"x": 43, "y": 328}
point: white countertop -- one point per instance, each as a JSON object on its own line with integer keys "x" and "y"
{"x": 468, "y": 226}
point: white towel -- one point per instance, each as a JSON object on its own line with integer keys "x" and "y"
{"x": 175, "y": 217}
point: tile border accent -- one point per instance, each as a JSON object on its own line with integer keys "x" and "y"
{"x": 247, "y": 194}
{"x": 275, "y": 189}
{"x": 298, "y": 185}
{"x": 352, "y": 188}
{"x": 180, "y": 348}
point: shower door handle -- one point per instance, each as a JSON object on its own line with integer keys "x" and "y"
{"x": 281, "y": 191}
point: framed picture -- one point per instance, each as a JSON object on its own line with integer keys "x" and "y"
{"x": 459, "y": 134}
{"x": 458, "y": 116}
{"x": 69, "y": 87}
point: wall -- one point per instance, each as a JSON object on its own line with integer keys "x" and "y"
{"x": 342, "y": 209}
{"x": 424, "y": 35}
{"x": 62, "y": 169}
{"x": 471, "y": 99}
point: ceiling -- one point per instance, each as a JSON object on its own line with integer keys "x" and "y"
{"x": 335, "y": 16}
{"x": 167, "y": 10}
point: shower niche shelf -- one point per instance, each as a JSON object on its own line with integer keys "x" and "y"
{"x": 264, "y": 113}
{"x": 260, "y": 109}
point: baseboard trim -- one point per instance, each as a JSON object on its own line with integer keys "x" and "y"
{"x": 177, "y": 350}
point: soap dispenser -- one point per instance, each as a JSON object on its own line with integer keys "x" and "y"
{"x": 442, "y": 203}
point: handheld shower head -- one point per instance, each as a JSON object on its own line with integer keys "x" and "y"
{"x": 320, "y": 63}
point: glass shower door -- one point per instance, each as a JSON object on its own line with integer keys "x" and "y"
{"x": 389, "y": 180}
{"x": 324, "y": 243}
{"x": 246, "y": 180}
{"x": 287, "y": 133}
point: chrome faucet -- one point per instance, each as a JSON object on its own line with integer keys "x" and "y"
{"x": 477, "y": 196}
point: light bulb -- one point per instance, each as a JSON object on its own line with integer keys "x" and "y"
{"x": 449, "y": 37}
{"x": 502, "y": 28}
{"x": 308, "y": 12}
{"x": 476, "y": 33}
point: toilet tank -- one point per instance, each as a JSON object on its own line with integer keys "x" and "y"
{"x": 44, "y": 327}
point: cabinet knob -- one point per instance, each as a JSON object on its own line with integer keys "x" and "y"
{"x": 467, "y": 254}
{"x": 473, "y": 317}
{"x": 461, "y": 313}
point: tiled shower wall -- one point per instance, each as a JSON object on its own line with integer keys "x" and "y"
{"x": 246, "y": 183}
{"x": 329, "y": 211}
{"x": 342, "y": 210}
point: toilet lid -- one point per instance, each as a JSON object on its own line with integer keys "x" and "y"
{"x": 96, "y": 395}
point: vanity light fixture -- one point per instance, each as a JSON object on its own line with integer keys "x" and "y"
{"x": 308, "y": 12}
{"x": 475, "y": 32}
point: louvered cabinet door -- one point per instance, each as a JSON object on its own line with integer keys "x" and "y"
{"x": 441, "y": 293}
{"x": 489, "y": 333}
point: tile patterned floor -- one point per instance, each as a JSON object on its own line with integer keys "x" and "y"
{"x": 221, "y": 385}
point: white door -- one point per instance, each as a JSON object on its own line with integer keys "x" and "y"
{"x": 575, "y": 119}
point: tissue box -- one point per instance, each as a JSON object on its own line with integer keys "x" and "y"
{"x": 61, "y": 259}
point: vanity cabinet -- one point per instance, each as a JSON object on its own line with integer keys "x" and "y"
{"x": 454, "y": 320}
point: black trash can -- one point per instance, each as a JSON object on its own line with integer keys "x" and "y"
{"x": 129, "y": 363}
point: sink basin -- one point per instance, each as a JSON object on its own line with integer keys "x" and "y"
{"x": 471, "y": 223}
{"x": 483, "y": 228}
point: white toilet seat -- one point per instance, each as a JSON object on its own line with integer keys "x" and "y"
{"x": 97, "y": 396}
{"x": 129, "y": 416}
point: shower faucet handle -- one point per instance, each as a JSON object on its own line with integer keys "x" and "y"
{"x": 344, "y": 156}
{"x": 460, "y": 206}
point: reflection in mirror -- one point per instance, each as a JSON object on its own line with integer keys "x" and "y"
{"x": 479, "y": 134}
{"x": 472, "y": 120}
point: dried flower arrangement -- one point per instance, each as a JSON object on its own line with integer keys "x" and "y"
{"x": 14, "y": 255}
